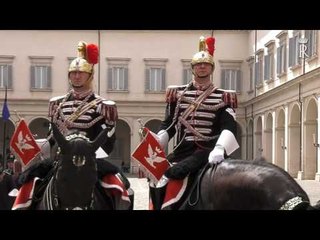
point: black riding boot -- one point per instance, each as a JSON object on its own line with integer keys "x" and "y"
{"x": 157, "y": 196}
{"x": 131, "y": 197}
{"x": 39, "y": 169}
{"x": 124, "y": 179}
{"x": 190, "y": 164}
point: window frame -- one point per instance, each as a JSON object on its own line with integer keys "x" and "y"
{"x": 117, "y": 64}
{"x": 187, "y": 74}
{"x": 155, "y": 64}
{"x": 44, "y": 63}
{"x": 6, "y": 61}
{"x": 232, "y": 66}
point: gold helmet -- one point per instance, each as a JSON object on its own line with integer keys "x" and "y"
{"x": 87, "y": 56}
{"x": 206, "y": 50}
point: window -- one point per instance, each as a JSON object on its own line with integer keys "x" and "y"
{"x": 231, "y": 79}
{"x": 117, "y": 76}
{"x": 269, "y": 61}
{"x": 40, "y": 77}
{"x": 155, "y": 80}
{"x": 118, "y": 79}
{"x": 187, "y": 74}
{"x": 41, "y": 73}
{"x": 311, "y": 35}
{"x": 5, "y": 76}
{"x": 231, "y": 75}
{"x": 6, "y": 71}
{"x": 294, "y": 59}
{"x": 250, "y": 62}
{"x": 259, "y": 67}
{"x": 282, "y": 53}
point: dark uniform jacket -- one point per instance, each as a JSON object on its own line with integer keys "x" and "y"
{"x": 88, "y": 114}
{"x": 201, "y": 128}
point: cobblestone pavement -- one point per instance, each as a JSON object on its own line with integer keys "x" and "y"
{"x": 141, "y": 192}
{"x": 140, "y": 187}
{"x": 312, "y": 188}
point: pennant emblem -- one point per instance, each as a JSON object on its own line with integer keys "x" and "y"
{"x": 151, "y": 157}
{"x": 23, "y": 144}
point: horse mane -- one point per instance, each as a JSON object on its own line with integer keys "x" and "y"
{"x": 260, "y": 167}
{"x": 260, "y": 175}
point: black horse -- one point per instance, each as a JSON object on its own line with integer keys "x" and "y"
{"x": 245, "y": 185}
{"x": 74, "y": 182}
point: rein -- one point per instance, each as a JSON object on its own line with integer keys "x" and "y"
{"x": 50, "y": 196}
{"x": 196, "y": 187}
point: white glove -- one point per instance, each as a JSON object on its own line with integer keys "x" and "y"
{"x": 162, "y": 182}
{"x": 162, "y": 137}
{"x": 216, "y": 155}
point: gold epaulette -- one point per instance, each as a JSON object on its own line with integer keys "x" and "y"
{"x": 230, "y": 98}
{"x": 108, "y": 109}
{"x": 171, "y": 92}
{"x": 53, "y": 104}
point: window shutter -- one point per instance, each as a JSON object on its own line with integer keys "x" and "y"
{"x": 308, "y": 36}
{"x": 278, "y": 61}
{"x": 223, "y": 79}
{"x": 184, "y": 76}
{"x": 291, "y": 52}
{"x": 256, "y": 73}
{"x": 285, "y": 66}
{"x": 49, "y": 73}
{"x": 109, "y": 78}
{"x": 266, "y": 67}
{"x": 126, "y": 79}
{"x": 238, "y": 81}
{"x": 190, "y": 74}
{"x": 32, "y": 71}
{"x": 147, "y": 80}
{"x": 163, "y": 79}
{"x": 9, "y": 83}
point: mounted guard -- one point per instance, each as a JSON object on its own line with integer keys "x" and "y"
{"x": 203, "y": 119}
{"x": 83, "y": 112}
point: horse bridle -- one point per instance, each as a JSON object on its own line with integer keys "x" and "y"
{"x": 50, "y": 197}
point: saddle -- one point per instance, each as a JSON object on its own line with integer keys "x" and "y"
{"x": 178, "y": 194}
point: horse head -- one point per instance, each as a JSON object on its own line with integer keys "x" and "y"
{"x": 76, "y": 173}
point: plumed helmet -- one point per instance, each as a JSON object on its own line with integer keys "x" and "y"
{"x": 206, "y": 50}
{"x": 87, "y": 56}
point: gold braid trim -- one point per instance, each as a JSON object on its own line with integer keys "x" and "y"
{"x": 171, "y": 95}
{"x": 195, "y": 132}
{"x": 82, "y": 109}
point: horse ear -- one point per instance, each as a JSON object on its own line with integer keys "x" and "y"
{"x": 58, "y": 136}
{"x": 100, "y": 139}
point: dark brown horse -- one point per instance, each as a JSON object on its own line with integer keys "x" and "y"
{"x": 246, "y": 185}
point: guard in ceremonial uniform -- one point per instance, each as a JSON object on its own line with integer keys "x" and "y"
{"x": 201, "y": 116}
{"x": 81, "y": 111}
